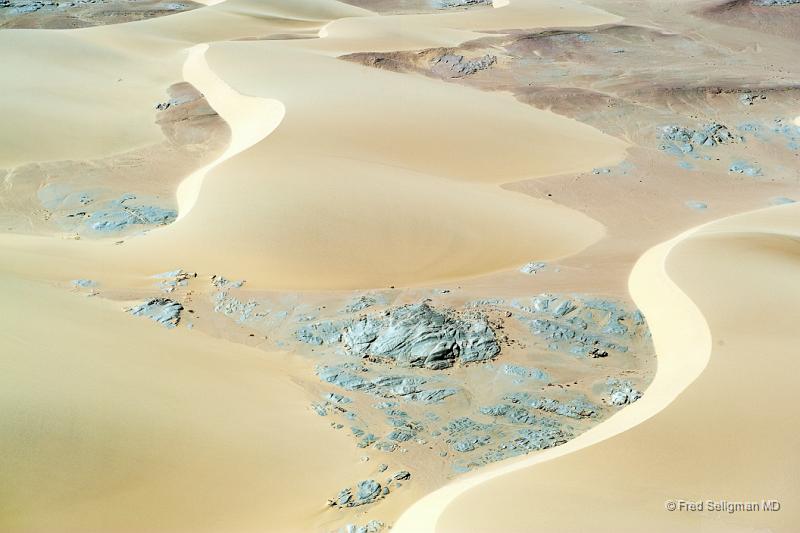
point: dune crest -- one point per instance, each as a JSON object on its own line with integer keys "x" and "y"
{"x": 754, "y": 240}
{"x": 683, "y": 345}
{"x": 250, "y": 119}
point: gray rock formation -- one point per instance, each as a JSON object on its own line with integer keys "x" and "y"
{"x": 577, "y": 408}
{"x": 621, "y": 392}
{"x": 320, "y": 333}
{"x": 405, "y": 387}
{"x": 532, "y": 268}
{"x": 460, "y": 66}
{"x": 162, "y": 310}
{"x": 769, "y": 3}
{"x": 373, "y": 526}
{"x": 451, "y": 4}
{"x": 418, "y": 335}
{"x": 174, "y": 279}
{"x": 366, "y": 491}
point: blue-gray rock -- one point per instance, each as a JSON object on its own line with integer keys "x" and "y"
{"x": 621, "y": 392}
{"x": 319, "y": 333}
{"x": 402, "y": 475}
{"x": 532, "y": 268}
{"x": 367, "y": 491}
{"x": 781, "y": 200}
{"x": 742, "y": 167}
{"x": 162, "y": 310}
{"x": 694, "y": 204}
{"x": 418, "y": 335}
{"x": 461, "y": 66}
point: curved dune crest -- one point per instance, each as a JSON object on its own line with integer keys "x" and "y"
{"x": 686, "y": 451}
{"x": 250, "y": 119}
{"x": 388, "y": 176}
{"x": 382, "y": 188}
{"x": 682, "y": 341}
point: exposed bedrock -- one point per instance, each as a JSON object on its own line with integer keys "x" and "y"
{"x": 419, "y": 335}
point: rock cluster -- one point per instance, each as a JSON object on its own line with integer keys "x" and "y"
{"x": 121, "y": 214}
{"x": 450, "y": 4}
{"x": 174, "y": 279}
{"x": 418, "y": 335}
{"x": 461, "y": 66}
{"x": 589, "y": 327}
{"x": 577, "y": 408}
{"x": 365, "y": 492}
{"x": 621, "y": 392}
{"x": 687, "y": 139}
{"x": 373, "y": 526}
{"x": 743, "y": 167}
{"x": 162, "y": 310}
{"x": 768, "y": 3}
{"x": 532, "y": 268}
{"x": 398, "y": 386}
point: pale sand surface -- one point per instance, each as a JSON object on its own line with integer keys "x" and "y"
{"x": 694, "y": 449}
{"x": 340, "y": 176}
{"x": 250, "y": 119}
{"x": 111, "y": 424}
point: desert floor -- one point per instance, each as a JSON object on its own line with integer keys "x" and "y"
{"x": 427, "y": 265}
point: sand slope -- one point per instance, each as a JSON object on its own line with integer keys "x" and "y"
{"x": 113, "y": 424}
{"x": 694, "y": 449}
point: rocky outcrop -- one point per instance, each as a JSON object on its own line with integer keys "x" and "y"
{"x": 406, "y": 387}
{"x": 621, "y": 392}
{"x": 769, "y": 3}
{"x": 365, "y": 492}
{"x": 687, "y": 139}
{"x": 451, "y": 4}
{"x": 418, "y": 335}
{"x": 532, "y": 268}
{"x": 162, "y": 310}
{"x": 458, "y": 66}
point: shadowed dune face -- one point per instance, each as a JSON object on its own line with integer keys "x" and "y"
{"x": 387, "y": 183}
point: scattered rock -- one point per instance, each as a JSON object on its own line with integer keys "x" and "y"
{"x": 693, "y": 204}
{"x": 450, "y": 4}
{"x": 532, "y": 268}
{"x": 402, "y": 475}
{"x": 459, "y": 66}
{"x": 174, "y": 279}
{"x": 373, "y": 526}
{"x": 742, "y": 167}
{"x": 222, "y": 282}
{"x": 162, "y": 310}
{"x": 621, "y": 392}
{"x": 319, "y": 334}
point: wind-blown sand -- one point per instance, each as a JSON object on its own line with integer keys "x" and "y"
{"x": 250, "y": 120}
{"x": 112, "y": 424}
{"x": 355, "y": 170}
{"x": 691, "y": 449}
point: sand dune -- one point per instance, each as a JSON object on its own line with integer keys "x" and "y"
{"x": 384, "y": 149}
{"x": 341, "y": 177}
{"x": 250, "y": 120}
{"x": 692, "y": 449}
{"x": 111, "y": 424}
